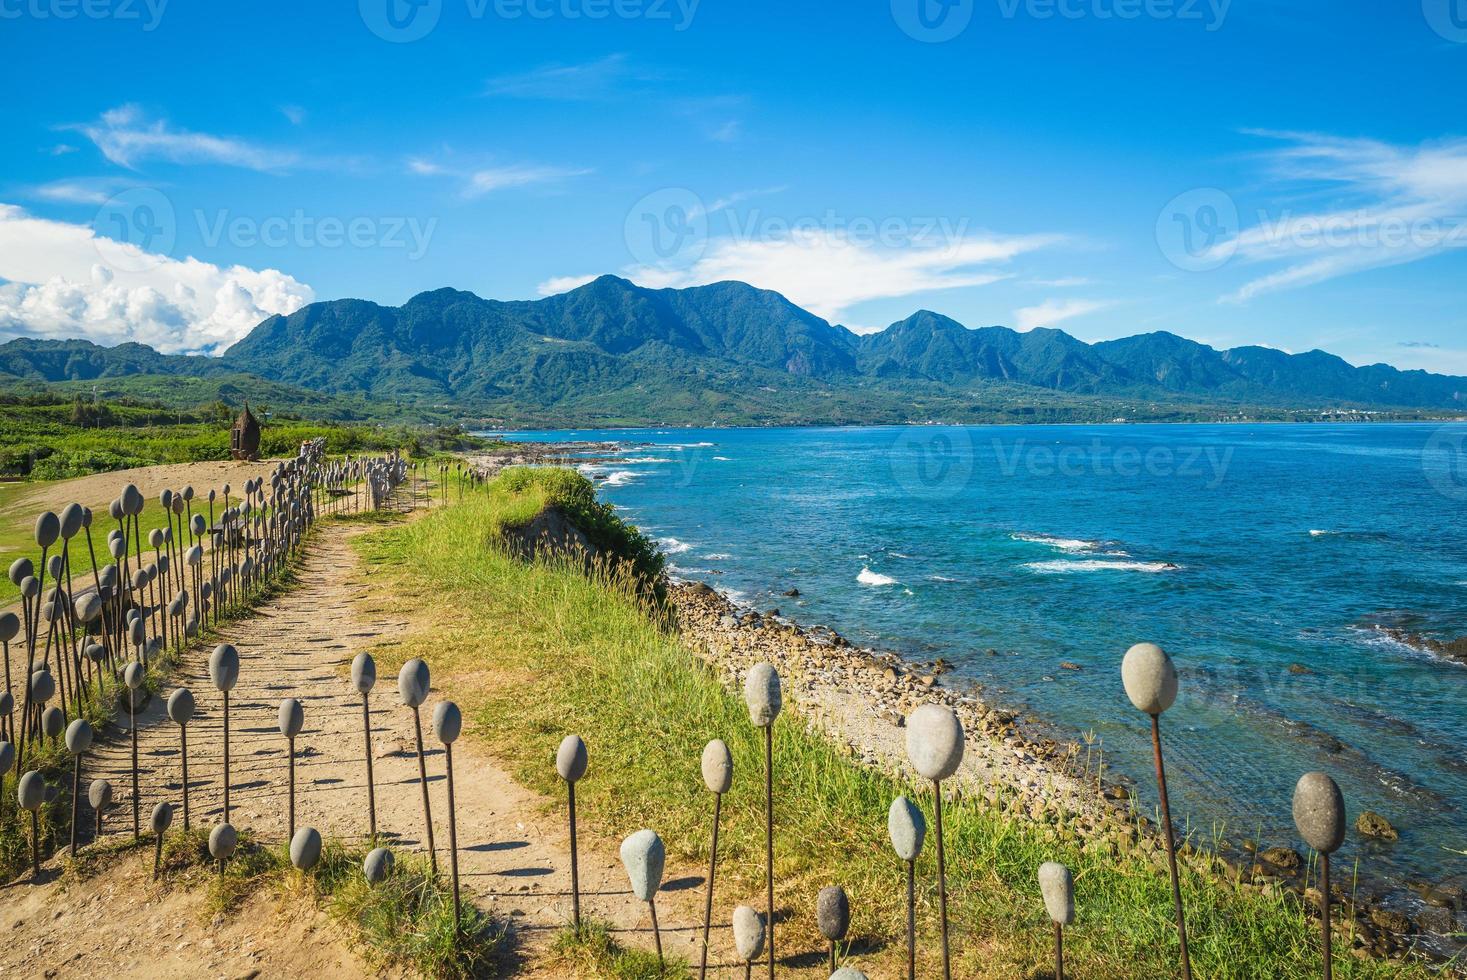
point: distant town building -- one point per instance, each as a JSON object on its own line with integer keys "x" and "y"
{"x": 244, "y": 437}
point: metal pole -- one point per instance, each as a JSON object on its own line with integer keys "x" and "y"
{"x": 769, "y": 836}
{"x": 1059, "y": 952}
{"x": 575, "y": 868}
{"x": 226, "y": 761}
{"x": 132, "y": 717}
{"x": 708, "y": 905}
{"x": 371, "y": 788}
{"x": 423, "y": 781}
{"x": 911, "y": 920}
{"x": 1171, "y": 847}
{"x": 183, "y": 754}
{"x": 75, "y": 800}
{"x": 452, "y": 836}
{"x": 1324, "y": 902}
{"x": 942, "y": 881}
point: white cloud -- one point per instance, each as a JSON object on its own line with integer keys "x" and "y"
{"x": 1389, "y": 205}
{"x": 1071, "y": 282}
{"x": 296, "y": 114}
{"x": 591, "y": 80}
{"x": 127, "y": 136}
{"x": 563, "y": 284}
{"x": 1053, "y": 311}
{"x": 64, "y": 281}
{"x": 486, "y": 180}
{"x": 94, "y": 191}
{"x": 828, "y": 273}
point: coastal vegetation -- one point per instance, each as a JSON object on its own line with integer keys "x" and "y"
{"x": 593, "y": 654}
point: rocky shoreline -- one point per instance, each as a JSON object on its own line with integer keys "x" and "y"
{"x": 860, "y": 698}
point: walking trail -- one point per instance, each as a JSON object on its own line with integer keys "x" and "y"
{"x": 513, "y": 846}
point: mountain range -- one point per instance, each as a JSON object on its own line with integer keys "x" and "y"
{"x": 612, "y": 352}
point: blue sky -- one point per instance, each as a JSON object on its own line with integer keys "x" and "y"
{"x": 1290, "y": 173}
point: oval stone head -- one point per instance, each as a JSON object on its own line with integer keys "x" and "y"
{"x": 1319, "y": 812}
{"x": 21, "y": 568}
{"x": 9, "y": 626}
{"x": 378, "y": 865}
{"x": 305, "y": 848}
{"x": 833, "y": 912}
{"x": 99, "y": 794}
{"x": 7, "y": 757}
{"x": 133, "y": 675}
{"x": 78, "y": 736}
{"x": 162, "y": 817}
{"x": 222, "y": 841}
{"x": 43, "y": 686}
{"x": 363, "y": 673}
{"x": 72, "y": 517}
{"x": 30, "y": 791}
{"x": 570, "y": 759}
{"x": 748, "y": 930}
{"x": 935, "y": 741}
{"x": 644, "y": 856}
{"x": 1150, "y": 678}
{"x": 1057, "y": 886}
{"x": 717, "y": 767}
{"x": 907, "y": 828}
{"x": 763, "y": 696}
{"x": 224, "y": 667}
{"x": 448, "y": 721}
{"x": 292, "y": 717}
{"x": 53, "y": 721}
{"x": 412, "y": 683}
{"x": 48, "y": 529}
{"x": 181, "y": 706}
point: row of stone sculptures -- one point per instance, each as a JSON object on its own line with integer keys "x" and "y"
{"x": 97, "y": 641}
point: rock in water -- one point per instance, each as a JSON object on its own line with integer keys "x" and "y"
{"x": 717, "y": 767}
{"x": 570, "y": 759}
{"x": 763, "y": 696}
{"x": 378, "y": 865}
{"x": 412, "y": 683}
{"x": 1319, "y": 812}
{"x": 363, "y": 673}
{"x": 1372, "y": 824}
{"x": 1150, "y": 678}
{"x": 643, "y": 855}
{"x": 833, "y": 913}
{"x": 748, "y": 930}
{"x": 1057, "y": 886}
{"x": 222, "y": 841}
{"x": 935, "y": 741}
{"x": 305, "y": 848}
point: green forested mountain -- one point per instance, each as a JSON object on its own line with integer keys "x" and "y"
{"x": 613, "y": 352}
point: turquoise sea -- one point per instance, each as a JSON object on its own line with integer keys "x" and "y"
{"x": 1290, "y": 570}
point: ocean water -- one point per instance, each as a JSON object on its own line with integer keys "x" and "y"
{"x": 1271, "y": 561}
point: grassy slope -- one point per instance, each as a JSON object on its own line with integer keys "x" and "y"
{"x": 551, "y": 652}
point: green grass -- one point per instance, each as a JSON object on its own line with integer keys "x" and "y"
{"x": 592, "y": 950}
{"x": 568, "y": 652}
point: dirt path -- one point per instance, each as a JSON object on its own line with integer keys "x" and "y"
{"x": 513, "y": 851}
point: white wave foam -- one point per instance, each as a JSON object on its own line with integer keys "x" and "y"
{"x": 1322, "y": 534}
{"x": 868, "y": 577}
{"x": 646, "y": 459}
{"x": 941, "y": 578}
{"x": 1096, "y": 565}
{"x": 672, "y": 546}
{"x": 722, "y": 459}
{"x": 1068, "y": 545}
{"x": 898, "y": 554}
{"x": 620, "y": 478}
{"x": 718, "y": 556}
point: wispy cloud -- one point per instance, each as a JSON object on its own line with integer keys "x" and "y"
{"x": 295, "y": 113}
{"x": 86, "y": 190}
{"x": 828, "y": 272}
{"x": 1054, "y": 311}
{"x": 1072, "y": 282}
{"x": 128, "y": 136}
{"x": 603, "y": 78}
{"x": 62, "y": 280}
{"x": 478, "y": 181}
{"x": 1388, "y": 205}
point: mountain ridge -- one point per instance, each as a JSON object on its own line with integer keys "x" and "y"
{"x": 610, "y": 339}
